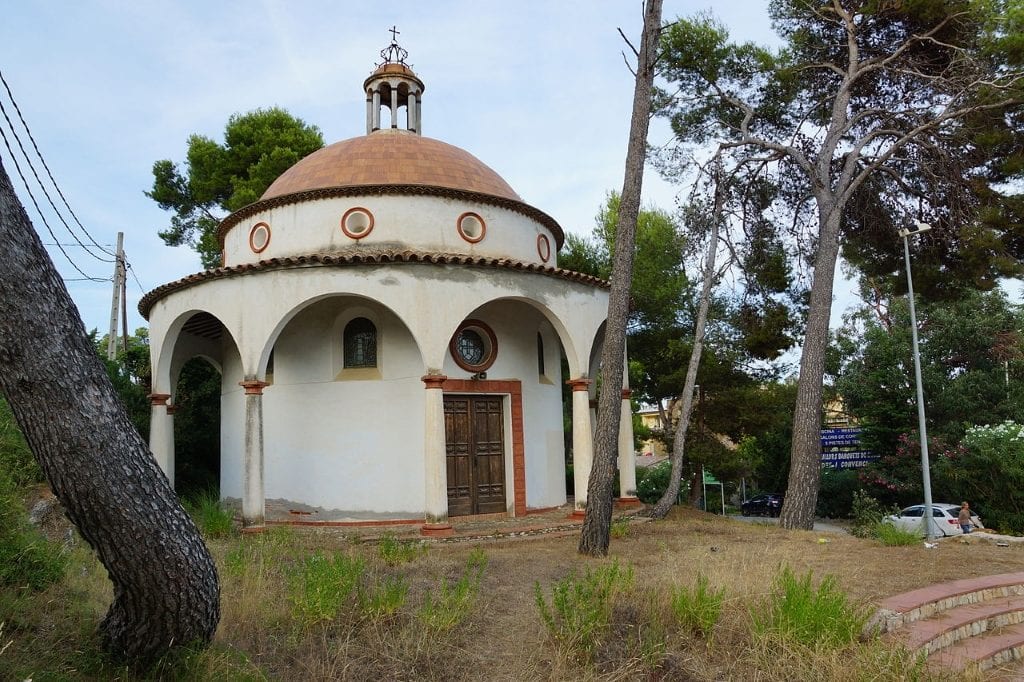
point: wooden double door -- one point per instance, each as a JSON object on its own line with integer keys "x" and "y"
{"x": 475, "y": 449}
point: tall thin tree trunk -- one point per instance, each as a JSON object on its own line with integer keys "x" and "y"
{"x": 596, "y": 532}
{"x": 805, "y": 453}
{"x": 661, "y": 509}
{"x": 166, "y": 591}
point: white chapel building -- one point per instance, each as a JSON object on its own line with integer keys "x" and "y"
{"x": 389, "y": 324}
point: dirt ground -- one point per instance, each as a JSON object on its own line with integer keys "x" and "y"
{"x": 504, "y": 638}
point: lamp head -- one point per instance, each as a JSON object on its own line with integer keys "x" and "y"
{"x": 919, "y": 227}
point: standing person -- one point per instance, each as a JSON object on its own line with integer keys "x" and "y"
{"x": 965, "y": 518}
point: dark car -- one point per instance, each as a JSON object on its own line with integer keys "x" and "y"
{"x": 768, "y": 504}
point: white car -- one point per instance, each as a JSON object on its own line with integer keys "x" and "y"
{"x": 944, "y": 519}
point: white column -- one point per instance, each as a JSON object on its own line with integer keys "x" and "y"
{"x": 161, "y": 433}
{"x": 419, "y": 115}
{"x": 253, "y": 503}
{"x": 369, "y": 114}
{"x": 376, "y": 109}
{"x": 410, "y": 112}
{"x": 435, "y": 475}
{"x": 582, "y": 442}
{"x": 394, "y": 107}
{"x": 627, "y": 454}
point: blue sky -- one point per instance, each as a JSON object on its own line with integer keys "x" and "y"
{"x": 537, "y": 90}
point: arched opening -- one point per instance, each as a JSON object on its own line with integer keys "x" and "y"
{"x": 197, "y": 429}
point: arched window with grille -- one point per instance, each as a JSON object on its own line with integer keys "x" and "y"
{"x": 360, "y": 343}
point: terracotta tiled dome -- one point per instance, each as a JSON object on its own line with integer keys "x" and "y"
{"x": 391, "y": 157}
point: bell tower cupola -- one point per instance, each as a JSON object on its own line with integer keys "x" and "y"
{"x": 394, "y": 85}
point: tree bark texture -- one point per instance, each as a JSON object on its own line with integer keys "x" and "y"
{"x": 805, "y": 451}
{"x": 596, "y": 532}
{"x": 661, "y": 509}
{"x": 166, "y": 590}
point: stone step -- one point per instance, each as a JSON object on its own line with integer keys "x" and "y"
{"x": 898, "y": 610}
{"x": 962, "y": 622}
{"x": 1000, "y": 646}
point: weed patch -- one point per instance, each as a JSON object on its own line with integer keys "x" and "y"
{"x": 620, "y": 527}
{"x": 321, "y": 585}
{"x": 891, "y": 536}
{"x": 816, "y": 617}
{"x": 394, "y": 551}
{"x": 449, "y": 605}
{"x": 581, "y": 607}
{"x": 213, "y": 520}
{"x": 698, "y": 608}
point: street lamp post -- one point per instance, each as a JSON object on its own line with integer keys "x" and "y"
{"x": 919, "y": 227}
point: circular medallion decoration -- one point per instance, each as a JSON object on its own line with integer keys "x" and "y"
{"x": 471, "y": 227}
{"x": 543, "y": 247}
{"x": 357, "y": 222}
{"x": 474, "y": 346}
{"x": 259, "y": 237}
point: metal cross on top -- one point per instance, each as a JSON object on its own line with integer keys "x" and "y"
{"x": 393, "y": 53}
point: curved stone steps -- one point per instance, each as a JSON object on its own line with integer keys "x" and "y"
{"x": 969, "y": 623}
{"x": 1003, "y": 645}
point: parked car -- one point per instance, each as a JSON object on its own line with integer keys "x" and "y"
{"x": 768, "y": 504}
{"x": 944, "y": 519}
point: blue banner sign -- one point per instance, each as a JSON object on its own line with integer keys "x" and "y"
{"x": 840, "y": 449}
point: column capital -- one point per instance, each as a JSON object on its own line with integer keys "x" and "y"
{"x": 627, "y": 394}
{"x": 253, "y": 386}
{"x": 171, "y": 409}
{"x": 433, "y": 380}
{"x": 158, "y": 398}
{"x": 579, "y": 384}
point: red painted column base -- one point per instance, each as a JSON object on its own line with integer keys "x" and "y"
{"x": 628, "y": 503}
{"x": 253, "y": 530}
{"x": 578, "y": 514}
{"x": 437, "y": 530}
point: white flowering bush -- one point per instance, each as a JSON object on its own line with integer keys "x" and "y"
{"x": 990, "y": 472}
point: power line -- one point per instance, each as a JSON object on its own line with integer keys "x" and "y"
{"x": 39, "y": 211}
{"x": 53, "y": 180}
{"x": 131, "y": 269}
{"x": 32, "y": 167}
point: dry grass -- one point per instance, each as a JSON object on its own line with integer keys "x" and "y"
{"x": 503, "y": 637}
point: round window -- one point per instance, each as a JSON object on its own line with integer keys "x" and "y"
{"x": 357, "y": 222}
{"x": 543, "y": 247}
{"x": 259, "y": 237}
{"x": 474, "y": 346}
{"x": 471, "y": 227}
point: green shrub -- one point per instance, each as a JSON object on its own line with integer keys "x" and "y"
{"x": 581, "y": 607}
{"x": 213, "y": 520}
{"x": 322, "y": 585}
{"x": 867, "y": 514}
{"x": 652, "y": 482}
{"x": 451, "y": 603}
{"x": 394, "y": 551}
{"x": 988, "y": 470}
{"x": 819, "y": 618}
{"x": 698, "y": 609}
{"x": 835, "y": 493}
{"x": 891, "y": 536}
{"x": 26, "y": 557}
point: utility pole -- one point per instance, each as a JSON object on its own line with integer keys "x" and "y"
{"x": 116, "y": 298}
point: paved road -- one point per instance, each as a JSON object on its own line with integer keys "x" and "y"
{"x": 821, "y": 526}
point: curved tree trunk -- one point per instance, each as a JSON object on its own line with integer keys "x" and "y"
{"x": 166, "y": 591}
{"x": 661, "y": 509}
{"x": 597, "y": 523}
